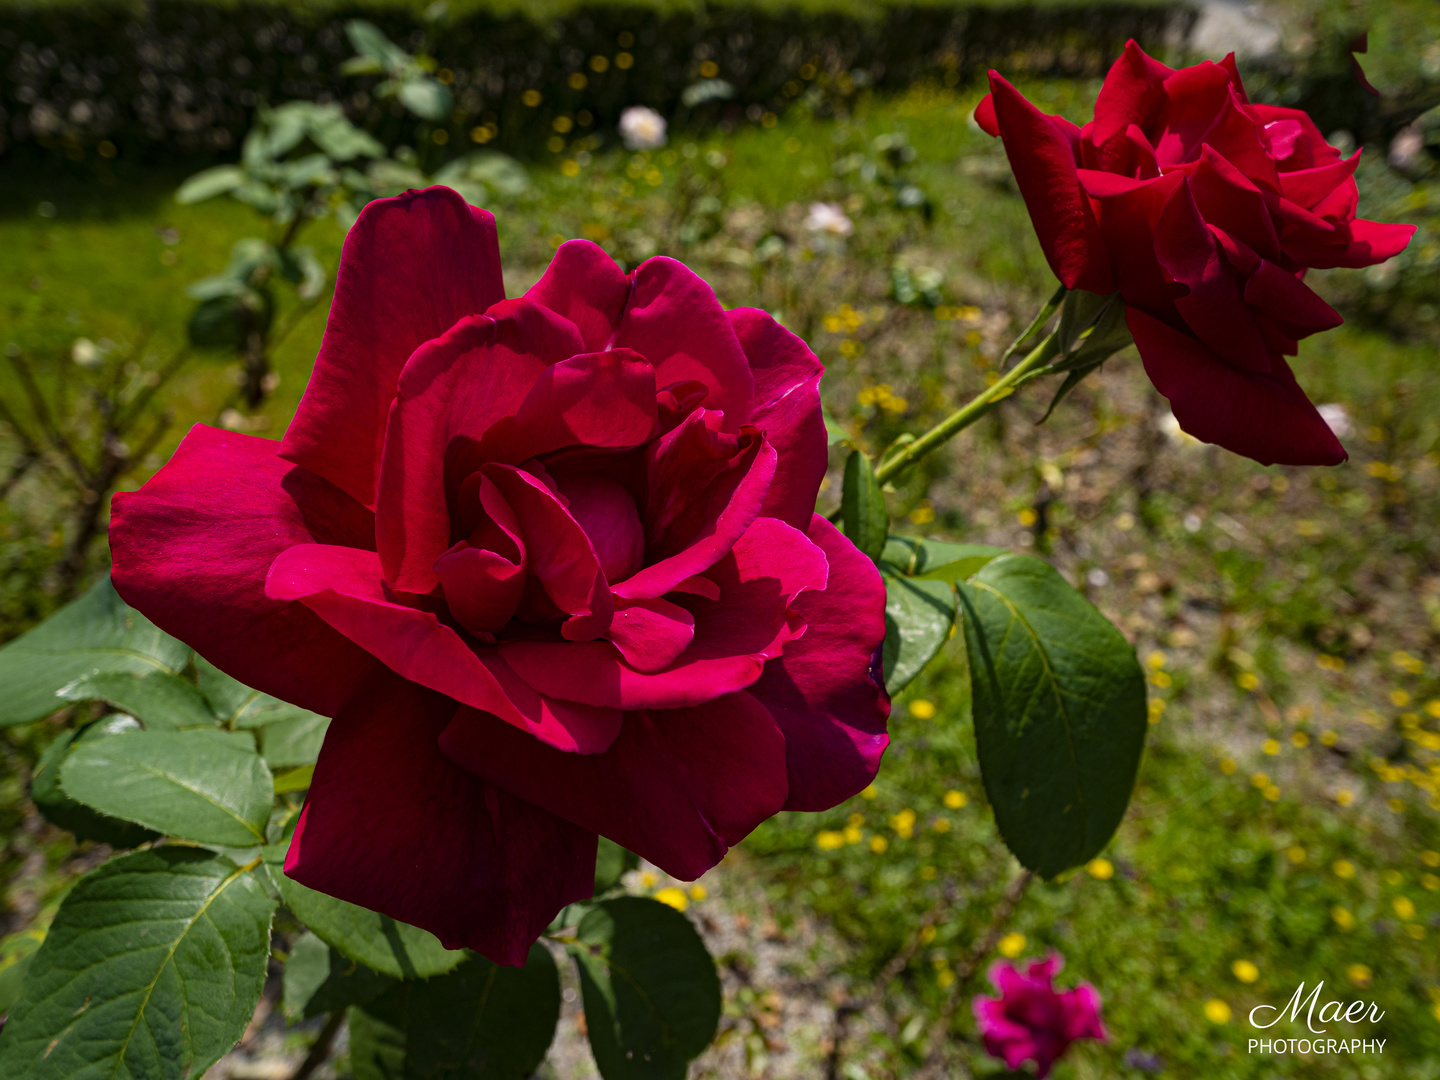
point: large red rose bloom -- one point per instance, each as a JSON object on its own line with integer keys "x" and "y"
{"x": 1204, "y": 211}
{"x": 550, "y": 563}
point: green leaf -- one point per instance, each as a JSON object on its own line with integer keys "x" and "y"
{"x": 489, "y": 168}
{"x": 237, "y": 705}
{"x": 652, "y": 997}
{"x": 1078, "y": 313}
{"x": 319, "y": 980}
{"x": 204, "y": 785}
{"x": 1073, "y": 378}
{"x": 226, "y": 322}
{"x": 918, "y": 617}
{"x": 290, "y": 743}
{"x": 209, "y": 183}
{"x": 834, "y": 432}
{"x": 426, "y": 98}
{"x": 369, "y": 41}
{"x": 157, "y": 700}
{"x": 298, "y": 779}
{"x": 961, "y": 560}
{"x": 60, "y": 809}
{"x": 862, "y": 506}
{"x": 940, "y": 560}
{"x": 611, "y": 862}
{"x": 16, "y": 953}
{"x": 379, "y": 942}
{"x": 98, "y": 632}
{"x": 1059, "y": 707}
{"x": 480, "y": 1021}
{"x": 151, "y": 969}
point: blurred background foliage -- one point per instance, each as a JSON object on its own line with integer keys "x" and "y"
{"x": 1287, "y": 823}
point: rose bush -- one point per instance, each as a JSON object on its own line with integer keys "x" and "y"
{"x": 1204, "y": 212}
{"x": 551, "y": 564}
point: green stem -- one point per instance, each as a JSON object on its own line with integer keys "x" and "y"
{"x": 973, "y": 410}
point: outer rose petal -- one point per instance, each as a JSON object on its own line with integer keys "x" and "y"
{"x": 1043, "y": 159}
{"x": 193, "y": 546}
{"x": 678, "y": 787}
{"x": 392, "y": 825}
{"x": 1362, "y": 243}
{"x": 411, "y": 267}
{"x": 825, "y": 690}
{"x": 1262, "y": 416}
{"x": 786, "y": 409}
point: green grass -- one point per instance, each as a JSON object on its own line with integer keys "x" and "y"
{"x": 1290, "y": 618}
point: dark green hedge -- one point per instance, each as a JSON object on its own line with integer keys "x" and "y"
{"x": 182, "y": 76}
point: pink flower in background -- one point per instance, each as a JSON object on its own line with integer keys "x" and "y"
{"x": 552, "y": 565}
{"x": 1031, "y": 1020}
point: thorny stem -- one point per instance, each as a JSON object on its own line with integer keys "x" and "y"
{"x": 1027, "y": 369}
{"x": 971, "y": 411}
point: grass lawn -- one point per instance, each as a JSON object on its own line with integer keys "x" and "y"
{"x": 1287, "y": 820}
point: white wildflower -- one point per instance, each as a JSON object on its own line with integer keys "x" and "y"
{"x": 828, "y": 217}
{"x": 642, "y": 128}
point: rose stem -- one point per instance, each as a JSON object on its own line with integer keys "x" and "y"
{"x": 968, "y": 413}
{"x": 978, "y": 406}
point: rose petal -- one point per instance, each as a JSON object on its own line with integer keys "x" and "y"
{"x": 604, "y": 399}
{"x": 1310, "y": 150}
{"x": 1266, "y": 417}
{"x": 758, "y": 582}
{"x": 825, "y": 690}
{"x": 651, "y": 634}
{"x": 392, "y": 825}
{"x": 705, "y": 489}
{"x": 449, "y": 395}
{"x": 344, "y": 587}
{"x": 584, "y": 286}
{"x": 1129, "y": 211}
{"x": 1042, "y": 156}
{"x": 786, "y": 410}
{"x": 1361, "y": 243}
{"x": 192, "y": 547}
{"x": 607, "y": 513}
{"x": 561, "y": 557}
{"x": 678, "y": 787}
{"x": 675, "y": 322}
{"x": 1213, "y": 308}
{"x": 411, "y": 267}
{"x": 1307, "y": 187}
{"x": 1133, "y": 93}
{"x": 1228, "y": 200}
{"x": 985, "y": 117}
{"x": 1289, "y": 301}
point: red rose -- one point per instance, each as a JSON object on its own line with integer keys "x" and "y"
{"x": 1204, "y": 212}
{"x": 550, "y": 563}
